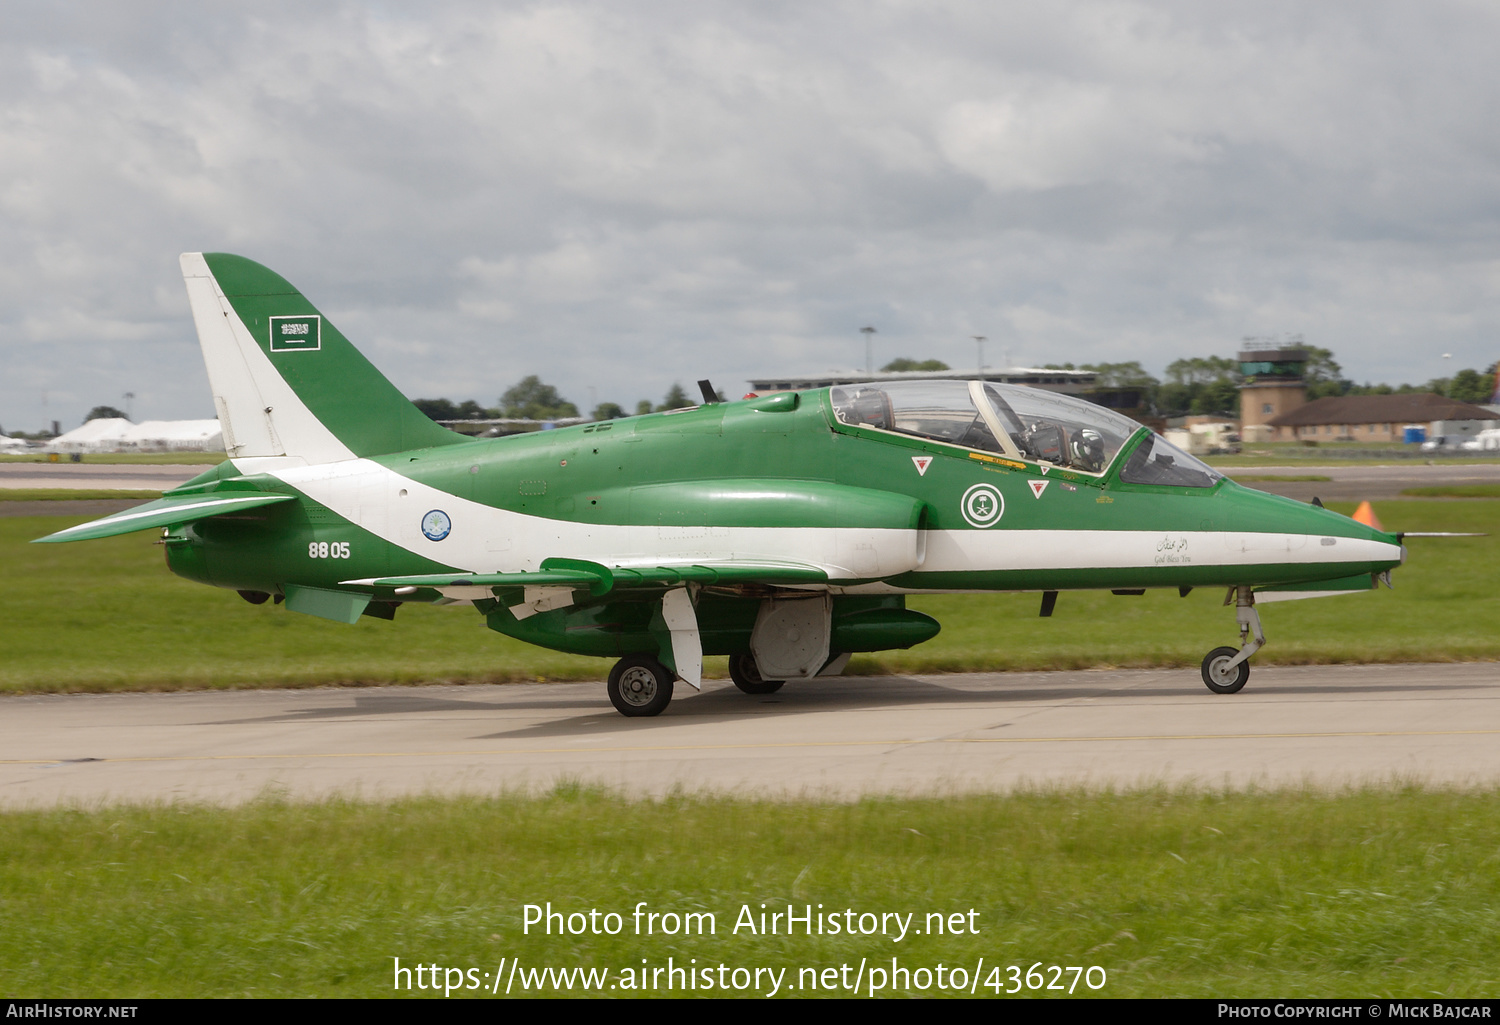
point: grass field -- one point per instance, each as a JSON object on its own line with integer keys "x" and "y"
{"x": 1455, "y": 491}
{"x": 107, "y": 615}
{"x": 73, "y": 494}
{"x": 1172, "y": 893}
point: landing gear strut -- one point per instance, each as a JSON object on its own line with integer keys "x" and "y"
{"x": 1225, "y": 670}
{"x": 639, "y": 685}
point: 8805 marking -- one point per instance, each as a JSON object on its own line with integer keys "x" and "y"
{"x": 328, "y": 549}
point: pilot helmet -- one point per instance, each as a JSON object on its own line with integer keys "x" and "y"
{"x": 1087, "y": 450}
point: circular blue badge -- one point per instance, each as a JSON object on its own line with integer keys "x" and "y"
{"x": 436, "y": 525}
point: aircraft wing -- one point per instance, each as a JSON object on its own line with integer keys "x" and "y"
{"x": 164, "y": 512}
{"x": 600, "y": 579}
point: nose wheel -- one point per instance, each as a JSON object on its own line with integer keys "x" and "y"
{"x": 1226, "y": 670}
{"x": 1222, "y": 673}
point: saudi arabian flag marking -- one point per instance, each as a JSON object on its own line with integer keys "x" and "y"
{"x": 296, "y": 334}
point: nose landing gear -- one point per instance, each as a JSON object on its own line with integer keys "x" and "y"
{"x": 1226, "y": 670}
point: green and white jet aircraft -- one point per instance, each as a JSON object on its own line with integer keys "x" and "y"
{"x": 783, "y": 531}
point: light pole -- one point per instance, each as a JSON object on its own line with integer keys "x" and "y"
{"x": 869, "y": 357}
{"x": 981, "y": 340}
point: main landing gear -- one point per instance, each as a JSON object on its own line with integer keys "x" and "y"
{"x": 746, "y": 676}
{"x": 639, "y": 685}
{"x": 1225, "y": 670}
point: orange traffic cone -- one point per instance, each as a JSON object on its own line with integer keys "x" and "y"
{"x": 1366, "y": 515}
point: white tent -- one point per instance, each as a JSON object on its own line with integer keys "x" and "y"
{"x": 119, "y": 435}
{"x": 11, "y": 444}
{"x": 101, "y": 435}
{"x": 174, "y": 436}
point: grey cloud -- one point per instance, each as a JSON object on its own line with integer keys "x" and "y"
{"x": 619, "y": 195}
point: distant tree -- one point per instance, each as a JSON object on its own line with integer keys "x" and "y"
{"x": 1324, "y": 377}
{"x": 643, "y": 407}
{"x": 1202, "y": 370}
{"x": 1218, "y": 397}
{"x": 902, "y": 363}
{"x": 534, "y": 400}
{"x": 1121, "y": 375}
{"x": 676, "y": 399}
{"x": 1321, "y": 366}
{"x": 1200, "y": 384}
{"x": 444, "y": 409}
{"x": 609, "y": 411}
{"x": 436, "y": 409}
{"x": 1470, "y": 386}
{"x": 105, "y": 413}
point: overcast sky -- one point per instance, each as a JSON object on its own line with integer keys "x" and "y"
{"x": 617, "y": 195}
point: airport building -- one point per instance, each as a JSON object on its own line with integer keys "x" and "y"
{"x": 1274, "y": 386}
{"x": 1378, "y": 418}
{"x": 1274, "y": 407}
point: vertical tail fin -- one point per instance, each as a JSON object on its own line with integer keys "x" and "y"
{"x": 285, "y": 381}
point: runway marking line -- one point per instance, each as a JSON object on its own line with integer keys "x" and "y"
{"x": 753, "y": 747}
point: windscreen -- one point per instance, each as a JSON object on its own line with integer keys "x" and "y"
{"x": 936, "y": 410}
{"x": 1050, "y": 428}
{"x": 1158, "y": 461}
{"x": 1023, "y": 423}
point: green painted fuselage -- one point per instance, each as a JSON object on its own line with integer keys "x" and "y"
{"x": 691, "y": 482}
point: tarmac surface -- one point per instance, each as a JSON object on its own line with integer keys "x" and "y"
{"x": 1326, "y": 726}
{"x": 125, "y": 476}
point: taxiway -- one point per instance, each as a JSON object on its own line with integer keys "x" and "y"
{"x": 1325, "y": 726}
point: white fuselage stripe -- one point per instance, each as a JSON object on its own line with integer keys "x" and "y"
{"x": 484, "y": 539}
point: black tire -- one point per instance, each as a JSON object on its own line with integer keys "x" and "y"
{"x": 639, "y": 685}
{"x": 1220, "y": 679}
{"x": 746, "y": 676}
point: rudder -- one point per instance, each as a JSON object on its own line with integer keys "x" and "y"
{"x": 285, "y": 381}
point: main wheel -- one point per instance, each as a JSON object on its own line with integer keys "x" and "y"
{"x": 640, "y": 685}
{"x": 746, "y": 676}
{"x": 1220, "y": 677}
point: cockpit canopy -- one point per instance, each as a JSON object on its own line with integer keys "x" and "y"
{"x": 1022, "y": 423}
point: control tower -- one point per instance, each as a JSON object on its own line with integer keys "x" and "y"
{"x": 1274, "y": 384}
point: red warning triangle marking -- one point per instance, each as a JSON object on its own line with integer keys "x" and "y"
{"x": 1038, "y": 486}
{"x": 922, "y": 463}
{"x": 1044, "y": 470}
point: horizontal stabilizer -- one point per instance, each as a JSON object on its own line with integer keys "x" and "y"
{"x": 165, "y": 512}
{"x": 600, "y": 580}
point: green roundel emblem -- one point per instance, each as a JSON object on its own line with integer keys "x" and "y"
{"x": 983, "y": 506}
{"x": 436, "y": 525}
